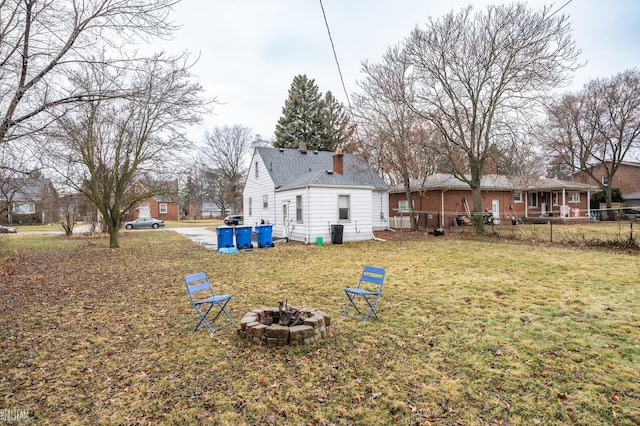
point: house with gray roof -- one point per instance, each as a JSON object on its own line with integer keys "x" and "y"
{"x": 442, "y": 199}
{"x": 31, "y": 199}
{"x": 306, "y": 194}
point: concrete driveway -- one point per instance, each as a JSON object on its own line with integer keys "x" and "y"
{"x": 202, "y": 236}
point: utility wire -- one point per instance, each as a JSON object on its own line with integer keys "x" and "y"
{"x": 560, "y": 8}
{"x": 333, "y": 48}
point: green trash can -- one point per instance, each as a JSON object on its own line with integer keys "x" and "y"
{"x": 318, "y": 241}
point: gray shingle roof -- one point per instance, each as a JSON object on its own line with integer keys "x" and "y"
{"x": 291, "y": 168}
{"x": 490, "y": 182}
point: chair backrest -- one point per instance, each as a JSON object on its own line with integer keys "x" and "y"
{"x": 198, "y": 286}
{"x": 372, "y": 278}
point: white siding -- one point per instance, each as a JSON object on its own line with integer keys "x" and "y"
{"x": 255, "y": 188}
{"x": 320, "y": 211}
{"x": 380, "y": 203}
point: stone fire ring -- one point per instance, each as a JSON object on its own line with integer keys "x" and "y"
{"x": 261, "y": 326}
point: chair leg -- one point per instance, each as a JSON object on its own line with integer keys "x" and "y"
{"x": 351, "y": 302}
{"x": 222, "y": 310}
{"x": 361, "y": 316}
{"x": 372, "y": 307}
{"x": 209, "y": 324}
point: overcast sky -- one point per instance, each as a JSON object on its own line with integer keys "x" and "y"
{"x": 250, "y": 50}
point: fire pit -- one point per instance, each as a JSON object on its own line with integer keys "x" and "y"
{"x": 284, "y": 325}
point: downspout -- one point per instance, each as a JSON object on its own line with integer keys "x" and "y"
{"x": 308, "y": 200}
{"x": 275, "y": 210}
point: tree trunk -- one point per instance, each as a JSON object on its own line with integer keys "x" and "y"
{"x": 113, "y": 238}
{"x": 476, "y": 213}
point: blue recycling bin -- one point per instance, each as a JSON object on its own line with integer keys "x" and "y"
{"x": 243, "y": 237}
{"x": 263, "y": 232}
{"x": 225, "y": 236}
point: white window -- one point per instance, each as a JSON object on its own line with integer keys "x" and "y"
{"x": 605, "y": 180}
{"x": 517, "y": 197}
{"x": 343, "y": 208}
{"x": 24, "y": 208}
{"x": 556, "y": 198}
{"x": 403, "y": 205}
{"x": 162, "y": 208}
{"x": 265, "y": 201}
{"x": 533, "y": 199}
{"x": 574, "y": 197}
{"x": 299, "y": 208}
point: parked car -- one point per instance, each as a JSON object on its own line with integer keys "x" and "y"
{"x": 234, "y": 219}
{"x": 144, "y": 222}
{"x": 7, "y": 229}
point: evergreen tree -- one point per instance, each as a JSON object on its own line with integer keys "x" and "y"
{"x": 305, "y": 118}
{"x": 340, "y": 127}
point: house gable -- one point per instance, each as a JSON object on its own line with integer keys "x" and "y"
{"x": 162, "y": 205}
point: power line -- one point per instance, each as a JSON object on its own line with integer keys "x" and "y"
{"x": 333, "y": 48}
{"x": 560, "y": 8}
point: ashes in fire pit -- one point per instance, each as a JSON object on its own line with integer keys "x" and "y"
{"x": 284, "y": 325}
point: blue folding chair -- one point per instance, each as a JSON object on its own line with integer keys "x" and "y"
{"x": 369, "y": 289}
{"x": 203, "y": 300}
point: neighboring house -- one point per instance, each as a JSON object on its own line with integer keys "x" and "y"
{"x": 28, "y": 200}
{"x": 210, "y": 210}
{"x": 304, "y": 193}
{"x": 627, "y": 177}
{"x": 442, "y": 198}
{"x": 163, "y": 206}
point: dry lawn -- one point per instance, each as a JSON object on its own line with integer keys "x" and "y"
{"x": 471, "y": 333}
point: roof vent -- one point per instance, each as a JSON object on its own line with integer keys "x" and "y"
{"x": 281, "y": 149}
{"x": 315, "y": 151}
{"x": 329, "y": 172}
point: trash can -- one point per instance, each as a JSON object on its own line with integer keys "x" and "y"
{"x": 263, "y": 232}
{"x": 243, "y": 237}
{"x": 318, "y": 241}
{"x": 336, "y": 234}
{"x": 225, "y": 236}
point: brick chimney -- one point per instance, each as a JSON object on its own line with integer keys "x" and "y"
{"x": 338, "y": 162}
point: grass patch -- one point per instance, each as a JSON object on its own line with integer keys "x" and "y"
{"x": 471, "y": 332}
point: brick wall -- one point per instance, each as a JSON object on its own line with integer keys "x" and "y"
{"x": 154, "y": 210}
{"x": 429, "y": 205}
{"x": 627, "y": 178}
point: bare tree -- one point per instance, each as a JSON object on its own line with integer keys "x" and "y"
{"x": 394, "y": 133}
{"x": 43, "y": 43}
{"x": 599, "y": 125}
{"x": 225, "y": 152}
{"x": 478, "y": 75}
{"x": 109, "y": 144}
